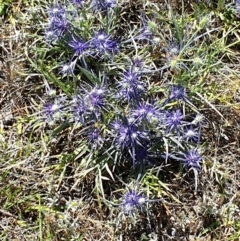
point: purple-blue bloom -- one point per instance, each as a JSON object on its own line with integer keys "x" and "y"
{"x": 130, "y": 87}
{"x": 102, "y": 44}
{"x": 79, "y": 110}
{"x": 174, "y": 120}
{"x": 52, "y": 111}
{"x": 192, "y": 159}
{"x": 79, "y": 46}
{"x": 132, "y": 200}
{"x": 96, "y": 99}
{"x": 94, "y": 137}
{"x": 116, "y": 125}
{"x": 57, "y": 11}
{"x": 51, "y": 108}
{"x": 178, "y": 92}
{"x": 78, "y": 2}
{"x": 60, "y": 25}
{"x": 102, "y": 5}
{"x": 51, "y": 35}
{"x": 129, "y": 137}
{"x": 146, "y": 111}
{"x": 191, "y": 134}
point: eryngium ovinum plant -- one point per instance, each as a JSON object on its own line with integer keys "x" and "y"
{"x": 107, "y": 97}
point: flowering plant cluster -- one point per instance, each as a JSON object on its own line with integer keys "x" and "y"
{"x": 111, "y": 101}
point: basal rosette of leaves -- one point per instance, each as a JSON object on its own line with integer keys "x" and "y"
{"x": 107, "y": 97}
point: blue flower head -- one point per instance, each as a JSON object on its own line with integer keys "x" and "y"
{"x": 192, "y": 159}
{"x": 132, "y": 201}
{"x": 178, "y": 92}
{"x": 57, "y": 11}
{"x": 130, "y": 87}
{"x": 52, "y": 111}
{"x": 79, "y": 46}
{"x": 102, "y": 44}
{"x": 95, "y": 137}
{"x": 129, "y": 136}
{"x": 78, "y": 2}
{"x": 96, "y": 99}
{"x": 191, "y": 134}
{"x": 146, "y": 112}
{"x": 103, "y": 5}
{"x": 174, "y": 120}
{"x": 80, "y": 110}
{"x": 116, "y": 125}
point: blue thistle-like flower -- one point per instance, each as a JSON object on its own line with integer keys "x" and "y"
{"x": 78, "y": 2}
{"x": 129, "y": 135}
{"x": 79, "y": 46}
{"x": 191, "y": 134}
{"x": 58, "y": 22}
{"x": 80, "y": 110}
{"x": 147, "y": 112}
{"x": 52, "y": 111}
{"x": 51, "y": 108}
{"x": 96, "y": 99}
{"x": 103, "y": 5}
{"x": 130, "y": 87}
{"x": 178, "y": 92}
{"x": 174, "y": 120}
{"x": 192, "y": 159}
{"x": 131, "y": 76}
{"x": 131, "y": 201}
{"x": 102, "y": 44}
{"x": 56, "y": 11}
{"x": 51, "y": 35}
{"x": 95, "y": 137}
{"x": 116, "y": 125}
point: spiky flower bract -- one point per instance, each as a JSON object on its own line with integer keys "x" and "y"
{"x": 102, "y": 44}
{"x": 191, "y": 134}
{"x": 132, "y": 201}
{"x": 102, "y": 5}
{"x": 173, "y": 120}
{"x": 192, "y": 159}
{"x": 79, "y": 46}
